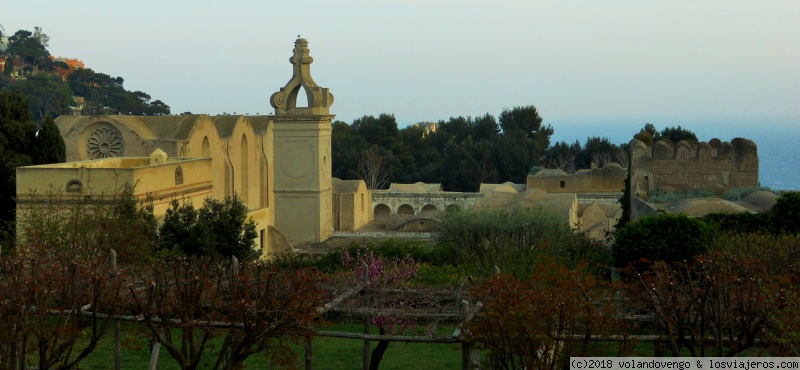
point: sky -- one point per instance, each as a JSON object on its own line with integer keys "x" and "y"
{"x": 586, "y": 65}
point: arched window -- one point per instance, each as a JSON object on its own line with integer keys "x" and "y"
{"x": 206, "y": 148}
{"x": 264, "y": 176}
{"x": 178, "y": 175}
{"x": 244, "y": 164}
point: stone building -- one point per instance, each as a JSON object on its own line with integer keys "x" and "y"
{"x": 279, "y": 165}
{"x": 609, "y": 178}
{"x": 688, "y": 166}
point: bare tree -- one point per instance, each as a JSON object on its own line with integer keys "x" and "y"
{"x": 601, "y": 159}
{"x": 373, "y": 168}
{"x": 621, "y": 157}
{"x": 564, "y": 163}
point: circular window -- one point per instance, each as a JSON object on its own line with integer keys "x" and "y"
{"x": 104, "y": 142}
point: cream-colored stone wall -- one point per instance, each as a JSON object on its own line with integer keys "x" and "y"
{"x": 610, "y": 178}
{"x": 105, "y": 177}
{"x": 352, "y": 205}
{"x": 280, "y": 166}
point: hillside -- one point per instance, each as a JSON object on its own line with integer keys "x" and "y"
{"x": 57, "y": 86}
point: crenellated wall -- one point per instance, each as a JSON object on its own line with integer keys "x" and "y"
{"x": 690, "y": 166}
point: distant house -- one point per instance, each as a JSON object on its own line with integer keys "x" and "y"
{"x": 73, "y": 64}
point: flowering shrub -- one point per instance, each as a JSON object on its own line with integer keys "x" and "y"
{"x": 388, "y": 285}
{"x": 383, "y": 272}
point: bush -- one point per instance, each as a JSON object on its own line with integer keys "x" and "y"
{"x": 514, "y": 240}
{"x": 784, "y": 217}
{"x": 539, "y": 322}
{"x": 388, "y": 249}
{"x": 658, "y": 197}
{"x": 218, "y": 229}
{"x": 664, "y": 237}
{"x": 744, "y": 222}
{"x": 738, "y": 194}
{"x": 82, "y": 227}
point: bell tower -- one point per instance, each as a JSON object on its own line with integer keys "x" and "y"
{"x": 302, "y": 154}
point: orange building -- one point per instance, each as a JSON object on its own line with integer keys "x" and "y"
{"x": 73, "y": 64}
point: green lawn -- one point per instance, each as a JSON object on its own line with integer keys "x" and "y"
{"x": 328, "y": 353}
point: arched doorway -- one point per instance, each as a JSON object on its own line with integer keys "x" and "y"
{"x": 382, "y": 212}
{"x": 429, "y": 208}
{"x": 405, "y": 209}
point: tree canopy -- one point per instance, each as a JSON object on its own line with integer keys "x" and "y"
{"x": 460, "y": 153}
{"x": 32, "y": 71}
{"x": 20, "y": 146}
{"x": 218, "y": 229}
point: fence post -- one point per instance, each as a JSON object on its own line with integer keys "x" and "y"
{"x": 365, "y": 281}
{"x": 465, "y": 347}
{"x": 112, "y": 266}
{"x": 308, "y": 353}
{"x": 470, "y": 357}
{"x": 154, "y": 355}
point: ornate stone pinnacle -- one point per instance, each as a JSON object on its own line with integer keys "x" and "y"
{"x": 319, "y": 98}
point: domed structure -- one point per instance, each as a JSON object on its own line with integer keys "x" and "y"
{"x": 761, "y": 199}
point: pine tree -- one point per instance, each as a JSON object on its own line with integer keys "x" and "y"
{"x": 50, "y": 147}
{"x": 17, "y": 136}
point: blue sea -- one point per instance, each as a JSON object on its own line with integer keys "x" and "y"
{"x": 778, "y": 142}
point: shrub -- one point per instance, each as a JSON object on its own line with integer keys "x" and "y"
{"x": 658, "y": 197}
{"x": 539, "y": 322}
{"x": 219, "y": 228}
{"x": 82, "y": 227}
{"x": 784, "y": 217}
{"x": 744, "y": 222}
{"x": 514, "y": 240}
{"x": 662, "y": 237}
{"x": 738, "y": 194}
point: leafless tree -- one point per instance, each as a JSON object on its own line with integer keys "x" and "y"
{"x": 564, "y": 163}
{"x": 373, "y": 168}
{"x": 601, "y": 159}
{"x": 618, "y": 156}
{"x": 621, "y": 157}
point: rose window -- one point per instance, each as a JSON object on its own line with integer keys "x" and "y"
{"x": 104, "y": 142}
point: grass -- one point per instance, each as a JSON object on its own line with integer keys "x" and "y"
{"x": 328, "y": 353}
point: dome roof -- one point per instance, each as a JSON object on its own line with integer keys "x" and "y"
{"x": 762, "y": 199}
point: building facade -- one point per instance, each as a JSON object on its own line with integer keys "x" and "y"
{"x": 279, "y": 165}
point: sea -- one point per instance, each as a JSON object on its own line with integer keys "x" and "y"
{"x": 778, "y": 141}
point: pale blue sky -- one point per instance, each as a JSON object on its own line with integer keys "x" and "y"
{"x": 667, "y": 62}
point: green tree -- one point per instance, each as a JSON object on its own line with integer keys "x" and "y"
{"x": 102, "y": 90}
{"x": 524, "y": 142}
{"x": 47, "y": 96}
{"x": 516, "y": 241}
{"x": 676, "y": 134}
{"x": 346, "y": 149}
{"x": 381, "y": 130}
{"x": 17, "y": 137}
{"x": 784, "y": 217}
{"x": 218, "y": 229}
{"x": 30, "y": 48}
{"x": 50, "y": 146}
{"x": 664, "y": 237}
{"x": 460, "y": 166}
